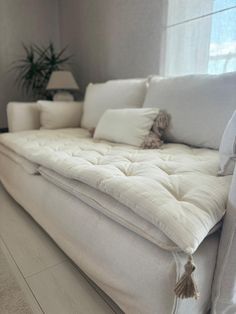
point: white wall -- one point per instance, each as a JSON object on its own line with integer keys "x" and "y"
{"x": 112, "y": 38}
{"x": 108, "y": 38}
{"x": 28, "y": 21}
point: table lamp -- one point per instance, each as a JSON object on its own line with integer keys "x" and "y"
{"x": 63, "y": 83}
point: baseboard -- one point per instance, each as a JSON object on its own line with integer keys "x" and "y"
{"x": 3, "y": 130}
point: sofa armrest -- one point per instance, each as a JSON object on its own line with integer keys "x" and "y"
{"x": 224, "y": 286}
{"x": 23, "y": 116}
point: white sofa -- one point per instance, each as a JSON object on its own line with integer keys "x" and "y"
{"x": 122, "y": 259}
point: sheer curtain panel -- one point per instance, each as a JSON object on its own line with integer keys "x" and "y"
{"x": 200, "y": 37}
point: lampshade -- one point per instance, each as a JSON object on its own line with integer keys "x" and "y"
{"x": 62, "y": 80}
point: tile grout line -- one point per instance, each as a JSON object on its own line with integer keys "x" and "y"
{"x": 66, "y": 259}
{"x": 92, "y": 284}
{"x": 12, "y": 257}
{"x": 36, "y": 273}
{"x": 46, "y": 268}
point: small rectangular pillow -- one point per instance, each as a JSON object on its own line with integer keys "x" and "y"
{"x": 228, "y": 148}
{"x": 127, "y": 126}
{"x": 60, "y": 114}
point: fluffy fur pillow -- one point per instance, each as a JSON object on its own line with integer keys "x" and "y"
{"x": 154, "y": 139}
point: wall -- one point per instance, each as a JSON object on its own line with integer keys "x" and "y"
{"x": 112, "y": 38}
{"x": 107, "y": 38}
{"x": 28, "y": 21}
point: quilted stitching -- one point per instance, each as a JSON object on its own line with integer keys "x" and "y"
{"x": 176, "y": 188}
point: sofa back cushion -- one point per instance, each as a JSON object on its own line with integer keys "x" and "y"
{"x": 117, "y": 94}
{"x": 200, "y": 106}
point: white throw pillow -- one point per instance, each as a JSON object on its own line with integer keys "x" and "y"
{"x": 127, "y": 126}
{"x": 115, "y": 94}
{"x": 199, "y": 106}
{"x": 228, "y": 148}
{"x": 60, "y": 114}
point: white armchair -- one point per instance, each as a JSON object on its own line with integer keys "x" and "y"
{"x": 23, "y": 116}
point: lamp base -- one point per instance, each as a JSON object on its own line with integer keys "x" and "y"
{"x": 63, "y": 96}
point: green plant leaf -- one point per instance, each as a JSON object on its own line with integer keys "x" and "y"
{"x": 34, "y": 70}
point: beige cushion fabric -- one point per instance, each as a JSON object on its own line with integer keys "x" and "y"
{"x": 27, "y": 165}
{"x": 128, "y": 126}
{"x": 23, "y": 116}
{"x": 176, "y": 188}
{"x": 228, "y": 148}
{"x": 200, "y": 106}
{"x": 110, "y": 208}
{"x": 115, "y": 94}
{"x": 119, "y": 261}
{"x": 60, "y": 114}
{"x": 224, "y": 287}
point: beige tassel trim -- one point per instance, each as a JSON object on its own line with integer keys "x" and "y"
{"x": 186, "y": 286}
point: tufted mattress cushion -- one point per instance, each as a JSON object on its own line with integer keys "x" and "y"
{"x": 110, "y": 208}
{"x": 175, "y": 188}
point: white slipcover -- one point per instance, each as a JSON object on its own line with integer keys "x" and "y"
{"x": 23, "y": 116}
{"x": 136, "y": 274}
{"x": 228, "y": 148}
{"x": 60, "y": 114}
{"x": 224, "y": 288}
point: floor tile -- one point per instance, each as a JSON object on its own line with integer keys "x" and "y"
{"x": 32, "y": 248}
{"x": 62, "y": 289}
{"x": 20, "y": 280}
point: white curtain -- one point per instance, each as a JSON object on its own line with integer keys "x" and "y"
{"x": 200, "y": 37}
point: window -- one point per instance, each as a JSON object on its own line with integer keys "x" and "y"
{"x": 200, "y": 37}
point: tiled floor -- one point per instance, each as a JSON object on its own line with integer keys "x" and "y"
{"x": 52, "y": 283}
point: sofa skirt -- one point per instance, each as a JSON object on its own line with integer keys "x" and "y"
{"x": 137, "y": 274}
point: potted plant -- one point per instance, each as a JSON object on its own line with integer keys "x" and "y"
{"x": 34, "y": 70}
